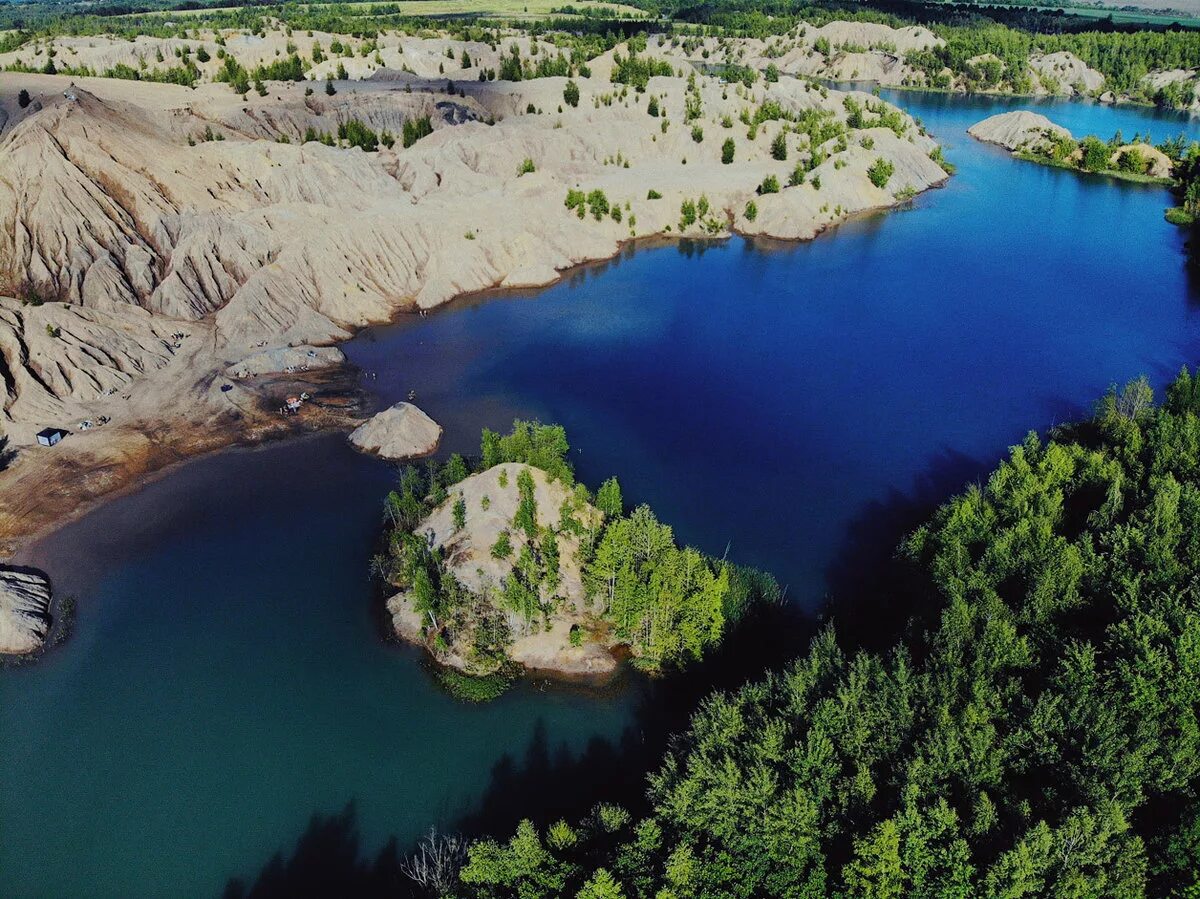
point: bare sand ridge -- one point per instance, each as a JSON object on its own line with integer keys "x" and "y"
{"x": 1016, "y": 130}
{"x": 179, "y": 261}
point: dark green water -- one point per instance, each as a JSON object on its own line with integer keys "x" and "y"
{"x": 802, "y": 405}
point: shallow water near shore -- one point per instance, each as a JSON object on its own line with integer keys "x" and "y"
{"x": 800, "y": 406}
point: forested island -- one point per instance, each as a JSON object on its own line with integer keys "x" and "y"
{"x": 1034, "y": 732}
{"x": 1174, "y": 162}
{"x": 507, "y": 561}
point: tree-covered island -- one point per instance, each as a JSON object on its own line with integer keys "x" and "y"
{"x": 509, "y": 562}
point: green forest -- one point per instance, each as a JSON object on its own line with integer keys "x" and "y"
{"x": 1035, "y": 732}
{"x": 668, "y": 604}
{"x": 1124, "y": 54}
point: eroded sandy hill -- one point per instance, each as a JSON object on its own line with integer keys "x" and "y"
{"x": 491, "y": 498}
{"x": 171, "y": 233}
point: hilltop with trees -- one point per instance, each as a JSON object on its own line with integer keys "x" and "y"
{"x": 510, "y": 560}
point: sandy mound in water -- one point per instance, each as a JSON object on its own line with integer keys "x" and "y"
{"x": 491, "y": 499}
{"x": 400, "y": 432}
{"x": 1016, "y": 130}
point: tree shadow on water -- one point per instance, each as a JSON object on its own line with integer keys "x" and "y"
{"x": 543, "y": 782}
{"x": 873, "y": 594}
{"x": 327, "y": 861}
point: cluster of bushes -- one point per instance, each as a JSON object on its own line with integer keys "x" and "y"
{"x": 515, "y": 68}
{"x": 594, "y": 201}
{"x": 885, "y": 116}
{"x": 185, "y": 75}
{"x": 414, "y": 129}
{"x": 1092, "y": 154}
{"x": 880, "y": 172}
{"x": 356, "y": 133}
{"x": 637, "y": 70}
{"x": 1187, "y": 188}
{"x": 699, "y": 211}
{"x": 353, "y": 133}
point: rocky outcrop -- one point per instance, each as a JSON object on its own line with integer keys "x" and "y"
{"x": 1065, "y": 74}
{"x": 400, "y": 432}
{"x": 24, "y": 611}
{"x": 1016, "y": 130}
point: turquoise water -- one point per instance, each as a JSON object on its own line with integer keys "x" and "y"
{"x": 799, "y": 405}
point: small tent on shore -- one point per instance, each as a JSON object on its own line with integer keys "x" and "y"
{"x": 50, "y": 436}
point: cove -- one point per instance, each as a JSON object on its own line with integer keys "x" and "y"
{"x": 800, "y": 406}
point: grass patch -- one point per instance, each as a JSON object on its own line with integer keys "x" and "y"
{"x": 1135, "y": 177}
{"x": 1177, "y": 215}
{"x": 472, "y": 688}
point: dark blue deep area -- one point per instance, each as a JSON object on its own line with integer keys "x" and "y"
{"x": 800, "y": 406}
{"x": 774, "y": 398}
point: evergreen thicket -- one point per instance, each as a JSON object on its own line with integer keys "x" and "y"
{"x": 1036, "y": 736}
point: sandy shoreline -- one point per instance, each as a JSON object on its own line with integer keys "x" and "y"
{"x": 127, "y": 459}
{"x": 215, "y": 272}
{"x": 28, "y": 515}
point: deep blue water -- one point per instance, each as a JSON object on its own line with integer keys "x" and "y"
{"x": 773, "y": 397}
{"x": 800, "y": 405}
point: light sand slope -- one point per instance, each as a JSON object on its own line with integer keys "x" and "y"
{"x": 166, "y": 260}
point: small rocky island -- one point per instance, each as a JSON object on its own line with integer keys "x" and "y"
{"x": 399, "y": 432}
{"x": 511, "y": 565}
{"x": 1031, "y": 136}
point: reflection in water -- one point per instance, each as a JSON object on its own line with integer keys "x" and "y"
{"x": 543, "y": 782}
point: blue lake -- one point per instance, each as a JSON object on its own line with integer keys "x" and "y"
{"x": 798, "y": 405}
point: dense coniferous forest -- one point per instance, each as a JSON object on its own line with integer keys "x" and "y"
{"x": 1034, "y": 734}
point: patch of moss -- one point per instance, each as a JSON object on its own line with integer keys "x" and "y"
{"x": 472, "y": 688}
